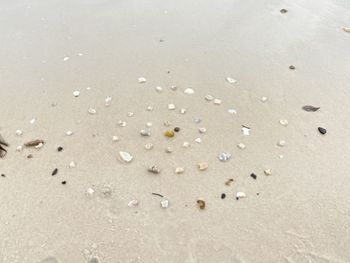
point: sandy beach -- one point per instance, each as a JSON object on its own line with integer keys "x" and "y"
{"x": 86, "y": 76}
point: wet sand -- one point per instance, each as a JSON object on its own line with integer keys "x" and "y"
{"x": 301, "y": 213}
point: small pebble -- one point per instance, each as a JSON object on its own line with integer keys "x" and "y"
{"x": 149, "y": 124}
{"x": 171, "y": 106}
{"x": 69, "y": 133}
{"x": 201, "y": 204}
{"x": 281, "y": 143}
{"x": 76, "y": 93}
{"x": 66, "y": 58}
{"x": 148, "y": 146}
{"x": 133, "y": 203}
{"x": 54, "y": 172}
{"x": 159, "y": 89}
{"x": 130, "y": 114}
{"x": 284, "y": 122}
{"x": 223, "y": 157}
{"x": 217, "y": 101}
{"x": 267, "y": 172}
{"x": 283, "y": 10}
{"x": 122, "y": 123}
{"x": 232, "y": 111}
{"x": 189, "y": 91}
{"x": 169, "y": 133}
{"x": 173, "y": 87}
{"x": 231, "y": 80}
{"x": 169, "y": 149}
{"x": 264, "y": 99}
{"x": 142, "y": 80}
{"x": 241, "y": 146}
{"x": 40, "y": 145}
{"x": 32, "y": 121}
{"x": 202, "y": 130}
{"x": 209, "y": 97}
{"x": 145, "y": 133}
{"x": 186, "y": 144}
{"x": 164, "y": 204}
{"x": 106, "y": 191}
{"x": 60, "y": 149}
{"x": 346, "y": 29}
{"x": 253, "y": 175}
{"x": 179, "y": 170}
{"x": 89, "y": 192}
{"x": 182, "y": 111}
{"x": 19, "y": 132}
{"x": 125, "y": 156}
{"x": 198, "y": 140}
{"x": 197, "y": 120}
{"x": 245, "y": 130}
{"x": 229, "y": 181}
{"x": 154, "y": 169}
{"x": 240, "y": 195}
{"x": 223, "y": 196}
{"x": 322, "y": 130}
{"x": 30, "y": 156}
{"x": 291, "y": 67}
{"x": 64, "y": 182}
{"x": 72, "y": 164}
{"x": 176, "y": 129}
{"x": 167, "y": 123}
{"x": 19, "y": 148}
{"x": 92, "y": 111}
{"x": 115, "y": 138}
{"x": 202, "y": 166}
{"x": 3, "y": 175}
{"x": 149, "y": 108}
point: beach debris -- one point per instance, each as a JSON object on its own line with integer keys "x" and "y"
{"x": 208, "y": 97}
{"x": 223, "y": 157}
{"x": 92, "y": 111}
{"x": 241, "y": 146}
{"x": 59, "y": 149}
{"x": 183, "y": 111}
{"x": 160, "y": 195}
{"x": 169, "y": 149}
{"x": 30, "y": 156}
{"x": 148, "y": 146}
{"x": 245, "y": 130}
{"x": 267, "y": 172}
{"x": 283, "y": 10}
{"x": 217, "y": 101}
{"x": 173, "y": 87}
{"x": 3, "y": 175}
{"x": 264, "y": 99}
{"x": 3, "y": 143}
{"x": 231, "y": 80}
{"x": 310, "y": 108}
{"x": 232, "y": 111}
{"x": 189, "y": 91}
{"x": 145, "y": 132}
{"x": 229, "y": 181}
{"x": 72, "y": 164}
{"x": 176, "y": 129}
{"x": 149, "y": 108}
{"x": 133, "y": 203}
{"x": 19, "y": 148}
{"x": 69, "y": 133}
{"x": 179, "y": 170}
{"x": 201, "y": 204}
{"x": 90, "y": 192}
{"x": 171, "y": 106}
{"x": 281, "y": 156}
{"x": 106, "y": 191}
{"x": 346, "y": 29}
{"x": 159, "y": 89}
{"x": 54, "y": 172}
{"x": 197, "y": 120}
{"x": 254, "y": 176}
{"x": 122, "y": 123}
{"x": 115, "y": 138}
{"x": 108, "y": 100}
{"x": 34, "y": 143}
{"x": 64, "y": 182}
{"x": 281, "y": 143}
{"x": 223, "y": 196}
{"x": 186, "y": 144}
{"x": 19, "y": 132}
{"x": 164, "y": 203}
{"x": 322, "y": 130}
{"x": 66, "y": 58}
{"x": 32, "y": 121}
{"x": 40, "y": 145}
{"x": 240, "y": 195}
{"x": 76, "y": 93}
{"x": 198, "y": 140}
{"x": 142, "y": 80}
{"x": 149, "y": 124}
{"x": 125, "y": 157}
{"x": 291, "y": 67}
{"x": 130, "y": 114}
{"x": 202, "y": 166}
{"x": 169, "y": 133}
{"x": 202, "y": 130}
{"x": 284, "y": 122}
{"x": 154, "y": 169}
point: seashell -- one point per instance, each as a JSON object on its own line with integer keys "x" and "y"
{"x": 232, "y": 111}
{"x": 164, "y": 204}
{"x": 268, "y": 172}
{"x": 92, "y": 111}
{"x": 198, "y": 140}
{"x": 202, "y": 130}
{"x": 72, "y": 164}
{"x": 171, "y": 106}
{"x": 281, "y": 143}
{"x": 159, "y": 89}
{"x": 145, "y": 133}
{"x": 245, "y": 130}
{"x": 133, "y": 203}
{"x": 223, "y": 157}
{"x": 209, "y": 97}
{"x": 154, "y": 169}
{"x": 76, "y": 93}
{"x": 186, "y": 144}
{"x": 217, "y": 101}
{"x": 284, "y": 122}
{"x": 202, "y": 166}
{"x": 231, "y": 80}
{"x": 189, "y": 91}
{"x": 142, "y": 80}
{"x": 126, "y": 157}
{"x": 19, "y": 132}
{"x": 115, "y": 138}
{"x": 264, "y": 99}
{"x": 240, "y": 195}
{"x": 241, "y": 146}
{"x": 179, "y": 170}
{"x": 148, "y": 146}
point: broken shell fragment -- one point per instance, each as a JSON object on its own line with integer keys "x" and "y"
{"x": 169, "y": 133}
{"x": 198, "y": 140}
{"x": 346, "y": 29}
{"x": 201, "y": 204}
{"x": 164, "y": 203}
{"x": 209, "y": 97}
{"x": 241, "y": 146}
{"x": 92, "y": 111}
{"x": 145, "y": 133}
{"x": 240, "y": 195}
{"x": 19, "y": 132}
{"x": 267, "y": 172}
{"x": 130, "y": 114}
{"x": 189, "y": 91}
{"x": 115, "y": 138}
{"x": 154, "y": 169}
{"x": 149, "y": 108}
{"x": 149, "y": 124}
{"x": 186, "y": 144}
{"x": 122, "y": 123}
{"x": 284, "y": 122}
{"x": 223, "y": 157}
{"x": 264, "y": 99}
{"x": 179, "y": 170}
{"x": 173, "y": 87}
{"x": 232, "y": 111}
{"x": 69, "y": 133}
{"x": 245, "y": 130}
{"x": 34, "y": 143}
{"x": 142, "y": 80}
{"x": 40, "y": 145}
{"x": 133, "y": 203}
{"x": 217, "y": 101}
{"x": 72, "y": 164}
{"x": 202, "y": 130}
{"x": 148, "y": 146}
{"x": 281, "y": 143}
{"x": 182, "y": 111}
{"x": 231, "y": 80}
{"x": 171, "y": 106}
{"x": 126, "y": 157}
{"x": 169, "y": 149}
{"x": 202, "y": 166}
{"x": 76, "y": 93}
{"x": 159, "y": 89}
{"x": 19, "y": 148}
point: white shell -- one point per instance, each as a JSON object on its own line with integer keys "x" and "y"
{"x": 241, "y": 146}
{"x": 148, "y": 146}
{"x": 281, "y": 143}
{"x": 92, "y": 111}
{"x": 264, "y": 99}
{"x": 142, "y": 80}
{"x": 108, "y": 99}
{"x": 126, "y": 157}
{"x": 149, "y": 108}
{"x": 198, "y": 140}
{"x": 246, "y": 131}
{"x": 171, "y": 106}
{"x": 173, "y": 87}
{"x": 179, "y": 170}
{"x": 164, "y": 203}
{"x": 284, "y": 122}
{"x": 130, "y": 114}
{"x": 133, "y": 203}
{"x": 240, "y": 195}
{"x": 19, "y": 132}
{"x": 268, "y": 172}
{"x": 202, "y": 166}
{"x": 149, "y": 124}
{"x": 76, "y": 93}
{"x": 231, "y": 80}
{"x": 232, "y": 111}
{"x": 69, "y": 133}
{"x": 209, "y": 97}
{"x": 89, "y": 192}
{"x": 66, "y": 58}
{"x": 19, "y": 148}
{"x": 145, "y": 133}
{"x": 159, "y": 89}
{"x": 186, "y": 144}
{"x": 189, "y": 91}
{"x": 40, "y": 145}
{"x": 72, "y": 164}
{"x": 217, "y": 101}
{"x": 182, "y": 111}
{"x": 32, "y": 121}
{"x": 202, "y": 130}
{"x": 115, "y": 138}
{"x": 169, "y": 149}
{"x": 223, "y": 157}
{"x": 122, "y": 123}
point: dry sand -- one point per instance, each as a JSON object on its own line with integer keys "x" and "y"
{"x": 302, "y": 212}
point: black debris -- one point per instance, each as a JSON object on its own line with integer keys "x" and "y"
{"x": 310, "y": 108}
{"x": 3, "y": 175}
{"x": 322, "y": 130}
{"x": 253, "y": 175}
{"x": 157, "y": 194}
{"x": 30, "y": 156}
{"x": 64, "y": 182}
{"x": 59, "y": 149}
{"x": 291, "y": 67}
{"x": 176, "y": 129}
{"x": 54, "y": 172}
{"x": 283, "y": 10}
{"x": 223, "y": 196}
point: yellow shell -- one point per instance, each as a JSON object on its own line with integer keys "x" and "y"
{"x": 169, "y": 133}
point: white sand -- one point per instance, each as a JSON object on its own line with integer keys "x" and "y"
{"x": 49, "y": 49}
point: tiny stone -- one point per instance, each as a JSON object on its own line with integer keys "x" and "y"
{"x": 232, "y": 111}
{"x": 198, "y": 140}
{"x": 169, "y": 149}
{"x": 107, "y": 191}
{"x": 66, "y": 58}
{"x": 76, "y": 93}
{"x": 154, "y": 169}
{"x": 281, "y": 156}
{"x": 229, "y": 181}
{"x": 142, "y": 80}
{"x": 253, "y": 175}
{"x": 240, "y": 195}
{"x": 171, "y": 106}
{"x": 197, "y": 120}
{"x": 159, "y": 89}
{"x": 54, "y": 172}
{"x": 186, "y": 144}
{"x": 40, "y": 145}
{"x": 231, "y": 80}
{"x": 32, "y": 121}
{"x": 122, "y": 123}
{"x": 108, "y": 99}
{"x": 92, "y": 111}
{"x": 241, "y": 146}
{"x": 217, "y": 101}
{"x": 223, "y": 196}
{"x": 176, "y": 129}
{"x": 223, "y": 157}
{"x": 3, "y": 175}
{"x": 133, "y": 203}
{"x": 72, "y": 164}
{"x": 69, "y": 133}
{"x": 149, "y": 124}
{"x": 268, "y": 172}
{"x": 202, "y": 166}
{"x": 245, "y": 130}
{"x": 209, "y": 97}
{"x": 126, "y": 157}
{"x": 90, "y": 192}
{"x": 179, "y": 170}
{"x": 201, "y": 204}
{"x": 189, "y": 91}
{"x": 115, "y": 138}
{"x": 291, "y": 67}
{"x": 148, "y": 146}
{"x": 149, "y": 108}
{"x": 145, "y": 133}
{"x": 284, "y": 122}
{"x": 164, "y": 204}
{"x": 60, "y": 149}
{"x": 64, "y": 182}
{"x": 283, "y": 10}
{"x": 19, "y": 148}
{"x": 202, "y": 130}
{"x": 281, "y": 143}
{"x": 30, "y": 156}
{"x": 182, "y": 111}
{"x": 130, "y": 114}
{"x": 264, "y": 99}
{"x": 19, "y": 132}
{"x": 169, "y": 134}
{"x": 173, "y": 87}
{"x": 322, "y": 130}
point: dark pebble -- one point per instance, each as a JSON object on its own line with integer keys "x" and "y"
{"x": 176, "y": 129}
{"x": 223, "y": 196}
{"x": 54, "y": 172}
{"x": 291, "y": 67}
{"x": 3, "y": 175}
{"x": 64, "y": 182}
{"x": 283, "y": 10}
{"x": 60, "y": 149}
{"x": 322, "y": 130}
{"x": 30, "y": 156}
{"x": 253, "y": 175}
